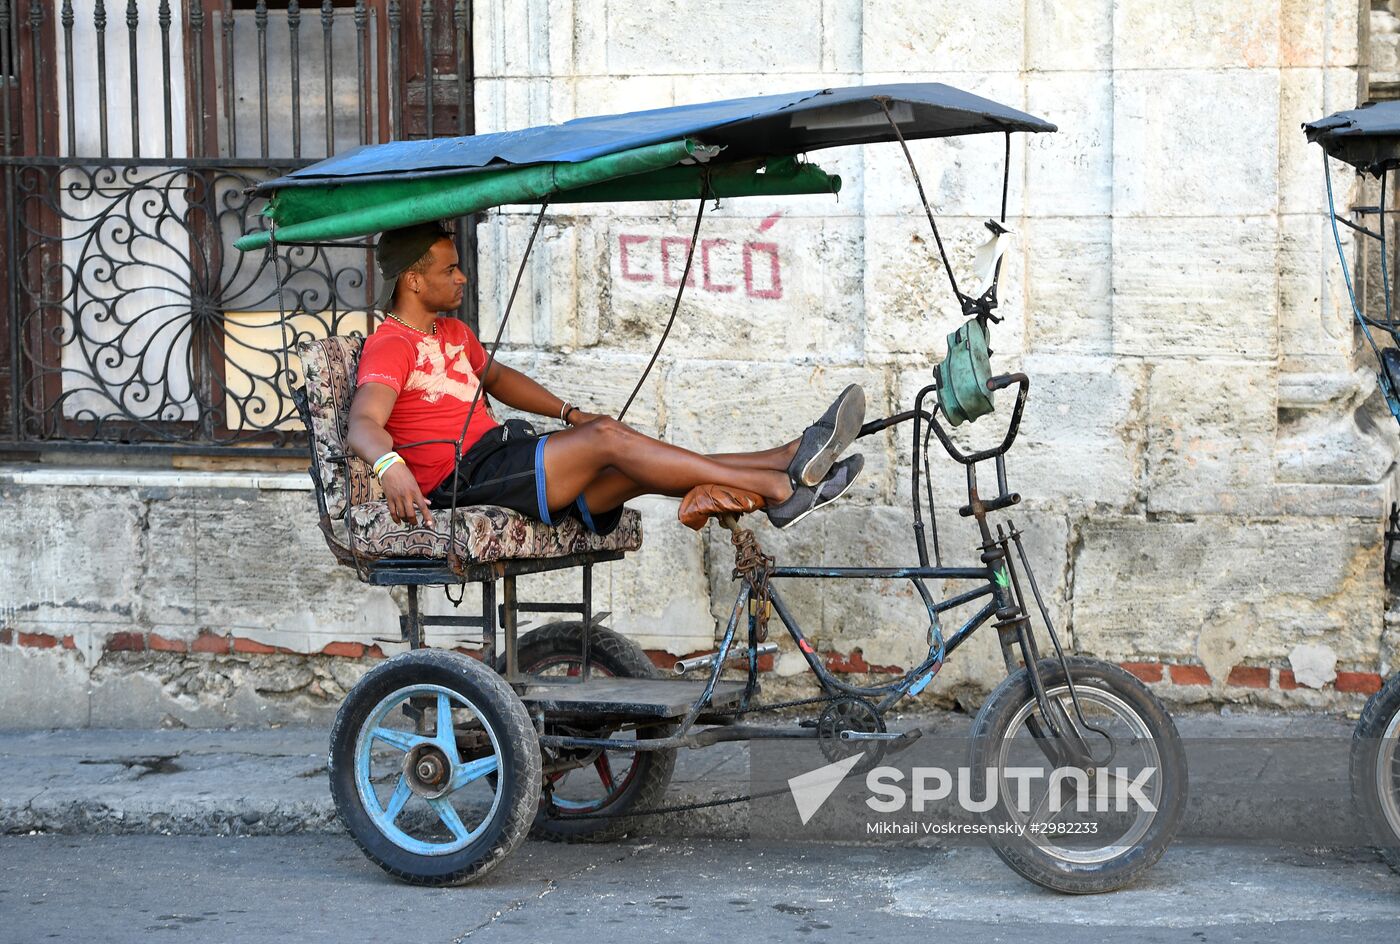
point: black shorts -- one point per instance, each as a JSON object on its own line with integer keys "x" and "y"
{"x": 506, "y": 467}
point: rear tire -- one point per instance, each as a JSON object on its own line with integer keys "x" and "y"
{"x": 641, "y": 778}
{"x": 1375, "y": 770}
{"x": 1069, "y": 861}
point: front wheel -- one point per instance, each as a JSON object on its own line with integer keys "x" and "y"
{"x": 1375, "y": 770}
{"x": 1084, "y": 821}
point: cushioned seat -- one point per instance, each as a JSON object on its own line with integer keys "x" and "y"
{"x": 484, "y": 532}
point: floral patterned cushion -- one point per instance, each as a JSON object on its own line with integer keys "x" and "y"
{"x": 329, "y": 367}
{"x": 484, "y": 533}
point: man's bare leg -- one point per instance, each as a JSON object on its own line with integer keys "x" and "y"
{"x": 576, "y": 458}
{"x": 779, "y": 457}
{"x": 613, "y": 488}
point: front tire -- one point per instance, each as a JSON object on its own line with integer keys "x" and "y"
{"x": 442, "y": 808}
{"x": 1375, "y": 770}
{"x": 1066, "y": 850}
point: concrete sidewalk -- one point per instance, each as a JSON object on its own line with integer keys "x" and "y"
{"x": 254, "y": 782}
{"x": 273, "y": 781}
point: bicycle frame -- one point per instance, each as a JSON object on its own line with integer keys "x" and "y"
{"x": 1001, "y": 583}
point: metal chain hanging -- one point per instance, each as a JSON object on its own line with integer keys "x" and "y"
{"x": 751, "y": 564}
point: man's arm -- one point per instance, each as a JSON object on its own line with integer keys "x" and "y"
{"x": 369, "y": 440}
{"x": 514, "y": 389}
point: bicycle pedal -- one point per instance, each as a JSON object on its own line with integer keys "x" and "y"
{"x": 906, "y": 738}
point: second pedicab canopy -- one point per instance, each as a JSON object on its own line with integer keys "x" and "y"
{"x": 737, "y": 147}
{"x": 1368, "y": 137}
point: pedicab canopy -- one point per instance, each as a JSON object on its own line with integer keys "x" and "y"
{"x": 738, "y": 147}
{"x": 1367, "y": 137}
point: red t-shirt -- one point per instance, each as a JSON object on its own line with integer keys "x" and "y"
{"x": 435, "y": 376}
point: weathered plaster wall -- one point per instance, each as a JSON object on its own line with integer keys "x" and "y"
{"x": 1204, "y": 461}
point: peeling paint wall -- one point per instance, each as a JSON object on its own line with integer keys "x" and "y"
{"x": 1205, "y": 459}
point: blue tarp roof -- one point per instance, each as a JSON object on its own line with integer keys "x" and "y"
{"x": 1367, "y": 137}
{"x": 761, "y": 126}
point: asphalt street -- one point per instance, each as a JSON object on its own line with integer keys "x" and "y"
{"x": 312, "y": 888}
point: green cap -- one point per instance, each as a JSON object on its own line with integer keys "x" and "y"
{"x": 398, "y": 249}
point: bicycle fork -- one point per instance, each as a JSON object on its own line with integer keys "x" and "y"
{"x": 1064, "y": 743}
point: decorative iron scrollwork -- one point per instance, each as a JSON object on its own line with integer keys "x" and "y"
{"x": 138, "y": 324}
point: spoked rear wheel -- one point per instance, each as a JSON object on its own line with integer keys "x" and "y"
{"x": 434, "y": 768}
{"x": 1088, "y": 824}
{"x": 1375, "y": 770}
{"x": 587, "y": 793}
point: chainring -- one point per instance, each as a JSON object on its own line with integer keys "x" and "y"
{"x": 850, "y": 714}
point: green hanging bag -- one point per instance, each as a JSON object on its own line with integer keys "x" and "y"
{"x": 963, "y": 375}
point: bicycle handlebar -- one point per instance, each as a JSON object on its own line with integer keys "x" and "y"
{"x": 1004, "y": 498}
{"x": 1001, "y": 382}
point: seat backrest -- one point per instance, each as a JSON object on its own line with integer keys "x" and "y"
{"x": 329, "y": 367}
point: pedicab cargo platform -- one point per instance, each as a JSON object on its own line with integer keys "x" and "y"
{"x": 626, "y": 699}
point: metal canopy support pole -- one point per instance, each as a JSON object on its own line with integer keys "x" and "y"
{"x": 587, "y": 619}
{"x": 481, "y": 388}
{"x": 1385, "y": 272}
{"x": 508, "y": 621}
{"x": 923, "y": 198}
{"x": 412, "y": 624}
{"x": 488, "y": 622}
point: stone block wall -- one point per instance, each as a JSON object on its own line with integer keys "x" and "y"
{"x": 1205, "y": 461}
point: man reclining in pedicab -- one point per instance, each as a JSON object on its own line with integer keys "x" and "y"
{"x": 418, "y": 380}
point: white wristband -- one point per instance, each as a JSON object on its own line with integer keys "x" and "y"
{"x": 384, "y": 463}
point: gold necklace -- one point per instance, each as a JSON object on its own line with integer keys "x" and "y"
{"x": 409, "y": 326}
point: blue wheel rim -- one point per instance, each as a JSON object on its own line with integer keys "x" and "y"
{"x": 385, "y": 815}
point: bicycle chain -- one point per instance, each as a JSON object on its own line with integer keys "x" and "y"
{"x": 723, "y": 801}
{"x": 752, "y": 564}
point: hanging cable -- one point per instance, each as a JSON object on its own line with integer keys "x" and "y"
{"x": 1387, "y": 389}
{"x": 680, "y": 293}
{"x": 452, "y": 558}
{"x": 919, "y": 184}
{"x": 1005, "y": 176}
{"x": 1341, "y": 254}
{"x": 1385, "y": 270}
